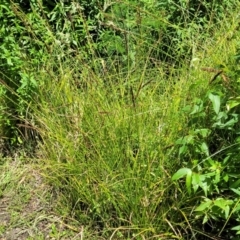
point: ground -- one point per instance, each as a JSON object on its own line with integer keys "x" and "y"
{"x": 28, "y": 205}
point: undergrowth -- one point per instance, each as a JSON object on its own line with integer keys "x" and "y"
{"x": 112, "y": 135}
{"x": 111, "y": 146}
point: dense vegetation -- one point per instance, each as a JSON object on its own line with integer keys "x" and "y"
{"x": 131, "y": 108}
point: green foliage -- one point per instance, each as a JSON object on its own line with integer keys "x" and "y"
{"x": 210, "y": 153}
{"x": 163, "y": 30}
{"x": 109, "y": 35}
{"x": 98, "y": 81}
{"x": 18, "y": 86}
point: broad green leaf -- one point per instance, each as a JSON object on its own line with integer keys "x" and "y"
{"x": 182, "y": 149}
{"x": 205, "y": 219}
{"x": 230, "y": 123}
{"x": 19, "y": 140}
{"x": 181, "y": 173}
{"x": 217, "y": 176}
{"x": 203, "y": 206}
{"x": 189, "y": 139}
{"x": 195, "y": 181}
{"x": 204, "y": 132}
{"x": 227, "y": 210}
{"x": 204, "y": 148}
{"x": 216, "y": 101}
{"x": 204, "y": 186}
{"x": 224, "y": 205}
{"x": 226, "y": 159}
{"x": 220, "y": 202}
{"x": 211, "y": 162}
{"x": 198, "y": 107}
{"x": 236, "y": 191}
{"x": 236, "y": 228}
{"x": 233, "y": 103}
{"x": 236, "y": 184}
{"x": 189, "y": 181}
{"x": 225, "y": 177}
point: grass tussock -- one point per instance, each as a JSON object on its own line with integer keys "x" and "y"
{"x": 108, "y": 140}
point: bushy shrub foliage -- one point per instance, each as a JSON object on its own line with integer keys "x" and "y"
{"x": 210, "y": 154}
